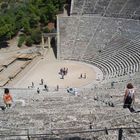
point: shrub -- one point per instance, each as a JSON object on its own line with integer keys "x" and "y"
{"x": 21, "y": 40}
{"x": 46, "y": 30}
{"x": 4, "y": 5}
{"x": 36, "y": 36}
{"x": 29, "y": 41}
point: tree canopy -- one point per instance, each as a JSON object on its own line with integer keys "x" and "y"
{"x": 28, "y": 16}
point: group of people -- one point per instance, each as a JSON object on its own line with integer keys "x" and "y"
{"x": 33, "y": 85}
{"x": 45, "y": 86}
{"x": 129, "y": 97}
{"x": 63, "y": 72}
{"x": 41, "y": 83}
{"x": 84, "y": 76}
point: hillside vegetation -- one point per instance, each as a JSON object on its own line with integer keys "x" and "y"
{"x": 28, "y": 16}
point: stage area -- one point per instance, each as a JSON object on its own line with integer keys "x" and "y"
{"x": 49, "y": 72}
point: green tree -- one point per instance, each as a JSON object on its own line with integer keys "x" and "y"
{"x": 26, "y": 25}
{"x": 36, "y": 36}
{"x": 34, "y": 21}
{"x": 46, "y": 30}
{"x": 21, "y": 40}
{"x": 4, "y": 5}
{"x": 29, "y": 41}
{"x": 29, "y": 16}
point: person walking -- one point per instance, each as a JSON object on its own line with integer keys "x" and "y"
{"x": 129, "y": 97}
{"x": 7, "y": 98}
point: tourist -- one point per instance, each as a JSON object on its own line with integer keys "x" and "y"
{"x": 46, "y": 87}
{"x": 42, "y": 81}
{"x": 129, "y": 97}
{"x": 90, "y": 125}
{"x": 7, "y": 98}
{"x": 61, "y": 71}
{"x": 85, "y": 76}
{"x": 112, "y": 84}
{"x": 57, "y": 88}
{"x": 38, "y": 90}
{"x": 32, "y": 84}
{"x": 66, "y": 71}
{"x": 81, "y": 76}
{"x": 62, "y": 76}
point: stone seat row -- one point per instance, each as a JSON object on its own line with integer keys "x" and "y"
{"x": 116, "y": 8}
{"x": 42, "y": 115}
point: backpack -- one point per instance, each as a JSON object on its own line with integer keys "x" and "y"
{"x": 129, "y": 98}
{"x": 128, "y": 101}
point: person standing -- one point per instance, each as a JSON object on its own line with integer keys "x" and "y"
{"x": 46, "y": 88}
{"x": 129, "y": 97}
{"x": 57, "y": 88}
{"x": 85, "y": 76}
{"x": 62, "y": 76}
{"x": 81, "y": 76}
{"x": 66, "y": 71}
{"x": 32, "y": 84}
{"x": 61, "y": 71}
{"x": 7, "y": 98}
{"x": 112, "y": 84}
{"x": 42, "y": 81}
{"x": 38, "y": 90}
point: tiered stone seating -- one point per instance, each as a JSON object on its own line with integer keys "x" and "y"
{"x": 4, "y": 81}
{"x": 12, "y": 65}
{"x": 12, "y": 70}
{"x": 57, "y": 112}
{"x": 1, "y": 68}
{"x": 115, "y": 8}
{"x": 72, "y": 44}
{"x": 25, "y": 64}
{"x": 67, "y": 40}
{"x": 130, "y": 7}
{"x": 94, "y": 6}
{"x": 111, "y": 44}
{"x": 8, "y": 61}
{"x": 76, "y": 6}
